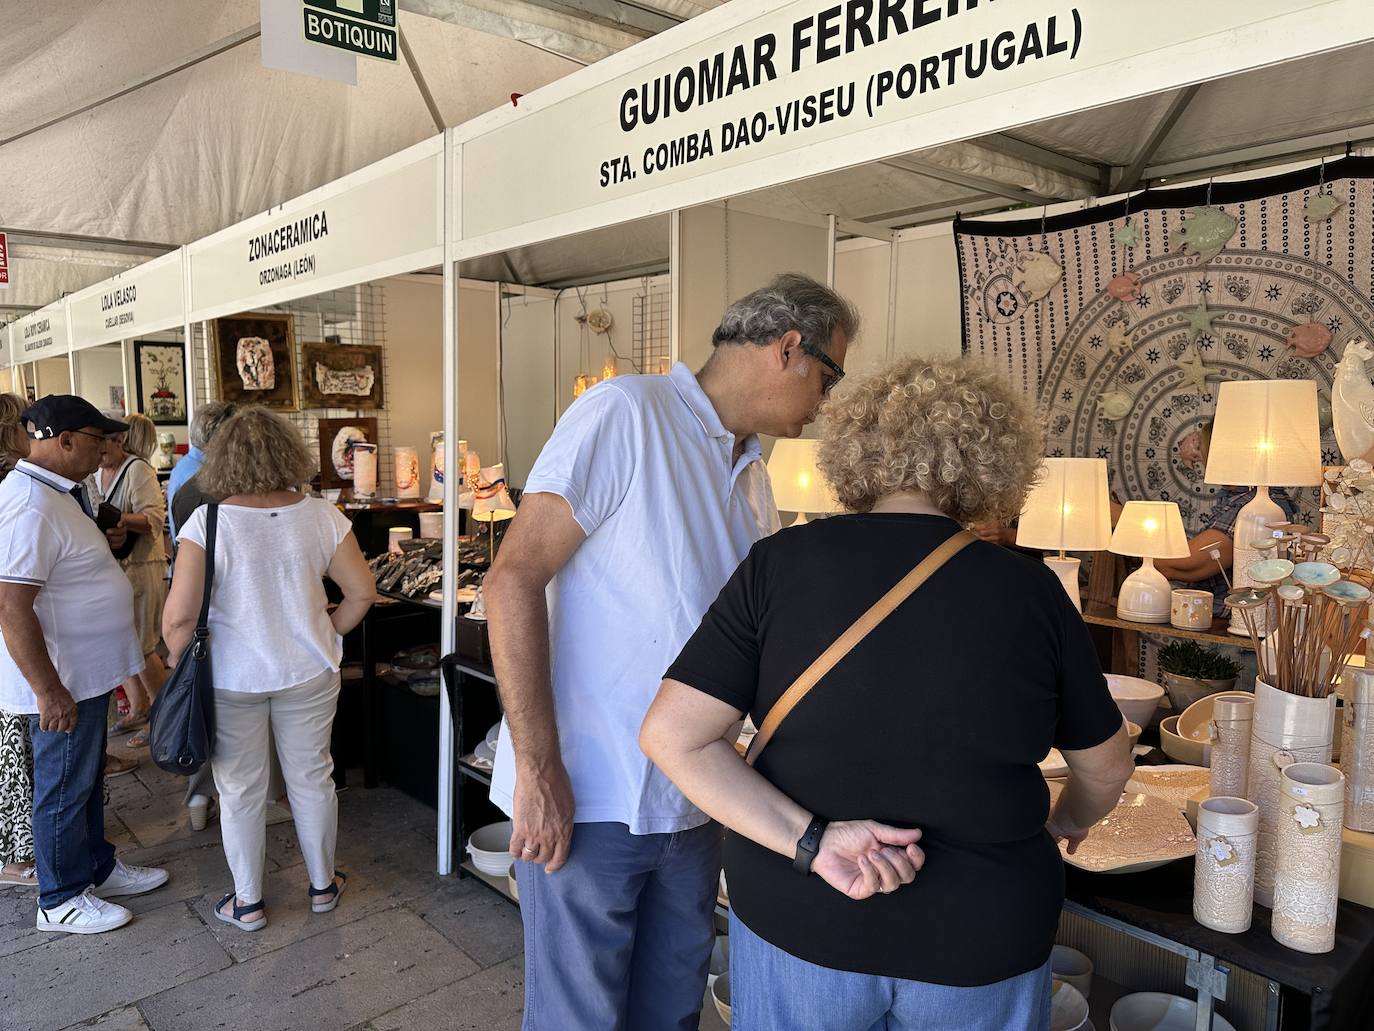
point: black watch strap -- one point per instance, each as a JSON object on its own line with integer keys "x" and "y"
{"x": 808, "y": 845}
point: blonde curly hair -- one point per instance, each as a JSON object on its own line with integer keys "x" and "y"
{"x": 255, "y": 451}
{"x": 949, "y": 429}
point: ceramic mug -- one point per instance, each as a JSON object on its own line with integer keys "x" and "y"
{"x": 1190, "y": 610}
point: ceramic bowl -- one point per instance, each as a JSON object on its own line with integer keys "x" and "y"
{"x": 1072, "y": 967}
{"x": 1271, "y": 571}
{"x": 1182, "y": 749}
{"x": 1133, "y": 732}
{"x": 489, "y": 847}
{"x": 1053, "y": 766}
{"x": 1195, "y": 721}
{"x": 1184, "y": 691}
{"x": 1156, "y": 1011}
{"x": 720, "y": 995}
{"x": 1137, "y": 699}
{"x": 720, "y": 959}
{"x": 1068, "y": 1008}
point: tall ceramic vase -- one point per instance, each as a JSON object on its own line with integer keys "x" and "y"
{"x": 1307, "y": 878}
{"x": 1286, "y": 729}
{"x": 364, "y": 470}
{"x": 1224, "y": 875}
{"x": 1357, "y": 752}
{"x": 406, "y": 466}
{"x": 1232, "y": 723}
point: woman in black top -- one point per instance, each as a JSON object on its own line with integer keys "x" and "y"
{"x": 936, "y": 721}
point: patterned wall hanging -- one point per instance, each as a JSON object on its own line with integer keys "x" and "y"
{"x": 1162, "y": 298}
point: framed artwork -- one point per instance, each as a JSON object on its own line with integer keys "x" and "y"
{"x": 255, "y": 359}
{"x": 160, "y": 380}
{"x": 341, "y": 376}
{"x": 337, "y": 437}
{"x": 117, "y": 399}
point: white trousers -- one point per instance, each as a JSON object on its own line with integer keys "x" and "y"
{"x": 300, "y": 719}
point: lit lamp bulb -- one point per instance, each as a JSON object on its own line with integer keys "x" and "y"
{"x": 1148, "y": 530}
{"x": 1068, "y": 510}
{"x": 608, "y": 369}
{"x": 797, "y": 484}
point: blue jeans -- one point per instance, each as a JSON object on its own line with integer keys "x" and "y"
{"x": 68, "y": 805}
{"x": 620, "y": 938}
{"x": 771, "y": 990}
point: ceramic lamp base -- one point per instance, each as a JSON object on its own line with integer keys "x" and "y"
{"x": 1067, "y": 571}
{"x": 1145, "y": 596}
{"x": 1252, "y": 523}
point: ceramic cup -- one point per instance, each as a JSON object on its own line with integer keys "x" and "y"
{"x": 1224, "y": 874}
{"x": 1230, "y": 732}
{"x": 1072, "y": 967}
{"x": 1307, "y": 874}
{"x": 1190, "y": 610}
{"x": 395, "y": 535}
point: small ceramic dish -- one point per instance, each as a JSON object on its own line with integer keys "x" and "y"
{"x": 1316, "y": 574}
{"x": 1182, "y": 749}
{"x": 489, "y": 847}
{"x": 1068, "y": 1008}
{"x": 1195, "y": 722}
{"x": 1271, "y": 571}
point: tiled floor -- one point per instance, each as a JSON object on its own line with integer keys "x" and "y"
{"x": 405, "y": 949}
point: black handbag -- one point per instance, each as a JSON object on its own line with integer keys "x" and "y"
{"x": 181, "y": 735}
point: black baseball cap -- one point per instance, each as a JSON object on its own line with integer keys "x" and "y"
{"x": 59, "y": 413}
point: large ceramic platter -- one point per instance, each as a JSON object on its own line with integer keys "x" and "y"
{"x": 1141, "y": 833}
{"x": 1053, "y": 766}
{"x": 1174, "y": 783}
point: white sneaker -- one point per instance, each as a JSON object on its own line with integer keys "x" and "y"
{"x": 130, "y": 880}
{"x": 84, "y": 914}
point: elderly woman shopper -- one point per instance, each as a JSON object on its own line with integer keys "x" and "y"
{"x": 127, "y": 481}
{"x": 935, "y": 720}
{"x": 274, "y": 646}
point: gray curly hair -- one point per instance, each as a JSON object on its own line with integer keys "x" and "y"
{"x": 208, "y": 419}
{"x": 791, "y": 301}
{"x": 952, "y": 430}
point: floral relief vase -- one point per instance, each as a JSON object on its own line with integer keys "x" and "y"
{"x": 1224, "y": 874}
{"x": 1232, "y": 720}
{"x": 1357, "y": 752}
{"x": 406, "y": 463}
{"x": 1307, "y": 877}
{"x": 1286, "y": 729}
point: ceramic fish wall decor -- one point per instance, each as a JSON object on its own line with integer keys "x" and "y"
{"x": 1206, "y": 231}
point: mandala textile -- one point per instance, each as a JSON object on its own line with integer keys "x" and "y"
{"x": 1124, "y": 354}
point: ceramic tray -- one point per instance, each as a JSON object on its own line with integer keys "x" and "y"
{"x": 1141, "y": 833}
{"x": 1174, "y": 784}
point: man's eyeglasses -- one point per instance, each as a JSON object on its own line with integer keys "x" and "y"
{"x": 98, "y": 436}
{"x": 837, "y": 373}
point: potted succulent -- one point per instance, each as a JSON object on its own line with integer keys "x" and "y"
{"x": 1192, "y": 672}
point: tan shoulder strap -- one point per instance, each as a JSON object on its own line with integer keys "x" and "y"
{"x": 846, "y": 642}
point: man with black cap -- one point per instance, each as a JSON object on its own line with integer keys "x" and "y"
{"x": 66, "y": 639}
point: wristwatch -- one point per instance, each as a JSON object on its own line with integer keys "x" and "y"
{"x": 808, "y": 845}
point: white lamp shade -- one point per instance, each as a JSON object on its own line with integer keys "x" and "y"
{"x": 1266, "y": 434}
{"x": 1069, "y": 509}
{"x": 797, "y": 484}
{"x": 1150, "y": 529}
{"x": 493, "y": 502}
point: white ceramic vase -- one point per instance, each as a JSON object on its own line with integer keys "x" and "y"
{"x": 407, "y": 470}
{"x": 1224, "y": 874}
{"x": 1357, "y": 752}
{"x": 1286, "y": 729}
{"x": 1307, "y": 878}
{"x": 364, "y": 470}
{"x": 1232, "y": 720}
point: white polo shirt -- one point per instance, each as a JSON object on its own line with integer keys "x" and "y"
{"x": 84, "y": 604}
{"x": 647, "y": 468}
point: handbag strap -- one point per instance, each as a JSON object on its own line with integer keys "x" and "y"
{"x": 202, "y": 632}
{"x": 857, "y": 631}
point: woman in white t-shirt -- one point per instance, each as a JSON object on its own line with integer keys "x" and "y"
{"x": 274, "y": 646}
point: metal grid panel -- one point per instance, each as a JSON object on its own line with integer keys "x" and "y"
{"x": 651, "y": 323}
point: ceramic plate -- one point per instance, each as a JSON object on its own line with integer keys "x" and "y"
{"x": 1174, "y": 784}
{"x": 1139, "y": 834}
{"x": 1053, "y": 765}
{"x": 1193, "y": 723}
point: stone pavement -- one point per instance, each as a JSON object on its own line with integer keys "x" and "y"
{"x": 405, "y": 949}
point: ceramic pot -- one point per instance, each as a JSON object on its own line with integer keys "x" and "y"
{"x": 1286, "y": 729}
{"x": 364, "y": 470}
{"x": 407, "y": 469}
{"x": 1184, "y": 691}
{"x": 1224, "y": 874}
{"x": 1307, "y": 878}
{"x": 432, "y": 525}
{"x": 1190, "y": 610}
{"x": 1357, "y": 752}
{"x": 1232, "y": 719}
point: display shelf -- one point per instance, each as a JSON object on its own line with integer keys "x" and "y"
{"x": 424, "y": 603}
{"x": 496, "y": 884}
{"x": 1105, "y": 615}
{"x": 474, "y": 771}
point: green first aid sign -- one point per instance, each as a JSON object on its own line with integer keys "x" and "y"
{"x": 365, "y": 27}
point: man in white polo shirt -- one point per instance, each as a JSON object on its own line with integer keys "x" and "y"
{"x": 66, "y": 621}
{"x": 647, "y": 496}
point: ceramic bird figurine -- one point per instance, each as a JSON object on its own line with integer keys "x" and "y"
{"x": 1206, "y": 232}
{"x": 1308, "y": 340}
{"x": 1114, "y": 405}
{"x": 1125, "y": 287}
{"x": 1036, "y": 275}
{"x": 1352, "y": 403}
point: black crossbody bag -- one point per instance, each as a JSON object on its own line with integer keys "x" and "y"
{"x": 181, "y": 737}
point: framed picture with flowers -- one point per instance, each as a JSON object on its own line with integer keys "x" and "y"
{"x": 160, "y": 374}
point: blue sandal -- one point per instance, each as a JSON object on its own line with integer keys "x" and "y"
{"x": 323, "y": 900}
{"x": 239, "y": 912}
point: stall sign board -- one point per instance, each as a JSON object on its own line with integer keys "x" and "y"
{"x": 383, "y": 220}
{"x": 145, "y": 299}
{"x": 750, "y": 95}
{"x": 40, "y": 334}
{"x": 4, "y": 260}
{"x": 363, "y": 27}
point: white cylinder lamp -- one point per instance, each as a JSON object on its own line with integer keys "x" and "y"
{"x": 406, "y": 462}
{"x": 1266, "y": 434}
{"x": 1148, "y": 530}
{"x": 432, "y": 525}
{"x": 364, "y": 470}
{"x": 1069, "y": 509}
{"x": 797, "y": 483}
{"x": 395, "y": 535}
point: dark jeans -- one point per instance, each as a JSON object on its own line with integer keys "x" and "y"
{"x": 69, "y": 806}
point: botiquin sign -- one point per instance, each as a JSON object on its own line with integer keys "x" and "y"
{"x": 363, "y": 27}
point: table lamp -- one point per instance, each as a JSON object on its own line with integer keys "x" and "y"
{"x": 1148, "y": 530}
{"x": 1067, "y": 510}
{"x": 797, "y": 484}
{"x": 492, "y": 502}
{"x": 1265, "y": 434}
